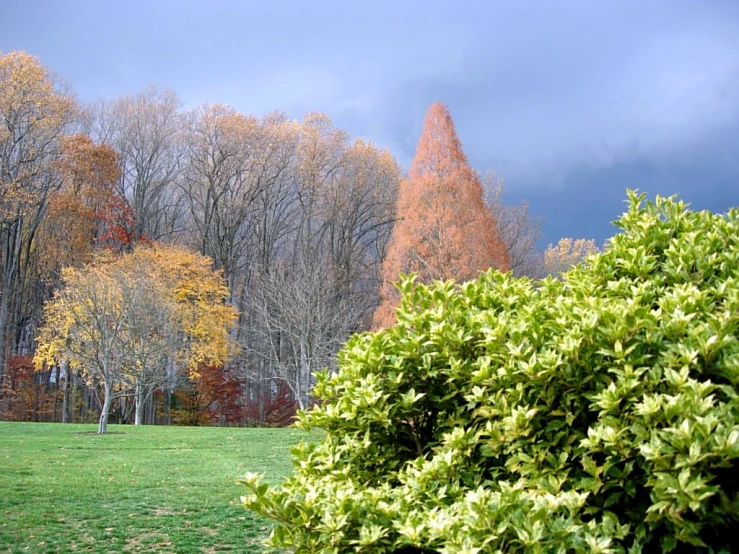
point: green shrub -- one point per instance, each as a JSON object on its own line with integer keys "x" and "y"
{"x": 594, "y": 414}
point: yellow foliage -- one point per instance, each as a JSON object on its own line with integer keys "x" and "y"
{"x": 88, "y": 321}
{"x": 199, "y": 295}
{"x": 566, "y": 253}
{"x": 33, "y": 114}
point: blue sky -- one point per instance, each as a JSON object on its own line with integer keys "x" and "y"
{"x": 571, "y": 102}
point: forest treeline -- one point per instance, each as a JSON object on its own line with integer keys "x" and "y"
{"x": 303, "y": 227}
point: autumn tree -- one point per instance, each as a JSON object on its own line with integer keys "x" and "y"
{"x": 124, "y": 322}
{"x": 560, "y": 257}
{"x": 177, "y": 322}
{"x": 34, "y": 113}
{"x": 74, "y": 224}
{"x": 75, "y": 219}
{"x": 85, "y": 326}
{"x": 199, "y": 296}
{"x": 444, "y": 229}
{"x": 221, "y": 394}
{"x": 151, "y": 334}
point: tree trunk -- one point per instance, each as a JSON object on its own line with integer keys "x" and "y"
{"x": 65, "y": 395}
{"x": 103, "y": 425}
{"x": 57, "y": 382}
{"x": 150, "y": 408}
{"x": 72, "y": 395}
{"x": 260, "y": 402}
{"x": 10, "y": 247}
{"x": 139, "y": 400}
{"x": 36, "y": 387}
{"x": 4, "y": 310}
{"x": 139, "y": 418}
{"x": 167, "y": 414}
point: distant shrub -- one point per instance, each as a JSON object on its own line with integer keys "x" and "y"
{"x": 595, "y": 414}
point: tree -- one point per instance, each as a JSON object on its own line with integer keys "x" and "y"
{"x": 597, "y": 413}
{"x": 74, "y": 223}
{"x": 313, "y": 273}
{"x": 518, "y": 229}
{"x": 444, "y": 229}
{"x": 129, "y": 323}
{"x": 303, "y": 320}
{"x": 222, "y": 395}
{"x": 151, "y": 332}
{"x": 199, "y": 295}
{"x": 566, "y": 253}
{"x": 233, "y": 161}
{"x": 146, "y": 131}
{"x": 84, "y": 325}
{"x": 34, "y": 113}
{"x": 178, "y": 319}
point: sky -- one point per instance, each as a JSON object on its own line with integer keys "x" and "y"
{"x": 571, "y": 102}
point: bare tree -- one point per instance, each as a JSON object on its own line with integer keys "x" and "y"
{"x": 146, "y": 130}
{"x": 300, "y": 323}
{"x": 324, "y": 216}
{"x": 233, "y": 163}
{"x": 517, "y": 227}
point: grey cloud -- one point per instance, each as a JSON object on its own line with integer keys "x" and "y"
{"x": 571, "y": 102}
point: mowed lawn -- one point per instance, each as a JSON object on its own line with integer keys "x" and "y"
{"x": 137, "y": 489}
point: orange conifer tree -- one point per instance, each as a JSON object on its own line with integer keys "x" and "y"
{"x": 444, "y": 229}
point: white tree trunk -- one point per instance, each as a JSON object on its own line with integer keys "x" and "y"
{"x": 103, "y": 425}
{"x": 139, "y": 400}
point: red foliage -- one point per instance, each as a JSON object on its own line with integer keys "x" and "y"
{"x": 117, "y": 221}
{"x": 278, "y": 409}
{"x": 21, "y": 398}
{"x": 221, "y": 393}
{"x": 281, "y": 409}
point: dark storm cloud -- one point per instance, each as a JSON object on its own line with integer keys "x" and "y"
{"x": 571, "y": 102}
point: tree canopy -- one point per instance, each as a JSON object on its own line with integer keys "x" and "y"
{"x": 131, "y": 321}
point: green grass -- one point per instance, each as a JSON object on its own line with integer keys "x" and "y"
{"x": 137, "y": 489}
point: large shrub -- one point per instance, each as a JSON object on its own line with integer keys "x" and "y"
{"x": 594, "y": 414}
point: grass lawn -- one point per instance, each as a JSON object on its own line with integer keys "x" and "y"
{"x": 137, "y": 489}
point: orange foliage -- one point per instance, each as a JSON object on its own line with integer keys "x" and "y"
{"x": 90, "y": 170}
{"x": 75, "y": 215}
{"x": 91, "y": 173}
{"x": 444, "y": 229}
